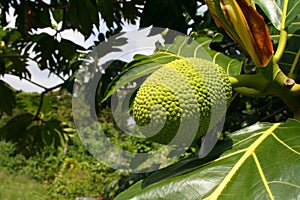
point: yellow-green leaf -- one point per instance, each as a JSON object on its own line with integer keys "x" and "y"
{"x": 262, "y": 164}
{"x": 273, "y": 10}
{"x": 181, "y": 47}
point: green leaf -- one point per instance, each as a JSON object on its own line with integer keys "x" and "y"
{"x": 230, "y": 65}
{"x": 262, "y": 164}
{"x": 16, "y": 66}
{"x": 141, "y": 66}
{"x": 181, "y": 47}
{"x": 107, "y": 11}
{"x": 52, "y": 133}
{"x": 57, "y": 14}
{"x": 187, "y": 165}
{"x": 273, "y": 9}
{"x": 167, "y": 13}
{"x": 28, "y": 103}
{"x": 49, "y": 105}
{"x": 54, "y": 55}
{"x": 3, "y": 33}
{"x": 289, "y": 61}
{"x": 31, "y": 15}
{"x": 83, "y": 15}
{"x": 14, "y": 129}
{"x": 7, "y": 99}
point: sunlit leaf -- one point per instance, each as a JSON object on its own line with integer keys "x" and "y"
{"x": 187, "y": 165}
{"x": 230, "y": 65}
{"x": 262, "y": 164}
{"x": 181, "y": 47}
{"x": 273, "y": 9}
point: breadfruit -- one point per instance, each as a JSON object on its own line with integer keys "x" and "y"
{"x": 178, "y": 93}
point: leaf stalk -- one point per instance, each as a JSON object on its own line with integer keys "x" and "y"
{"x": 283, "y": 33}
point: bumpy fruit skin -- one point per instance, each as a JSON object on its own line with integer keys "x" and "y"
{"x": 178, "y": 93}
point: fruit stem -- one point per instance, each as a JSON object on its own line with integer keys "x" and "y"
{"x": 251, "y": 85}
{"x": 269, "y": 81}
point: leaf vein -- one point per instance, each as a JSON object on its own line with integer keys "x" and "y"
{"x": 262, "y": 175}
{"x": 229, "y": 155}
{"x": 277, "y": 7}
{"x": 292, "y": 9}
{"x": 203, "y": 43}
{"x": 291, "y": 52}
{"x": 181, "y": 46}
{"x": 284, "y": 144}
{"x": 285, "y": 183}
{"x": 293, "y": 35}
{"x": 215, "y": 57}
{"x": 228, "y": 65}
{"x": 243, "y": 140}
{"x": 199, "y": 46}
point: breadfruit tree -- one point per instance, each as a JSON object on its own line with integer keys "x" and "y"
{"x": 254, "y": 47}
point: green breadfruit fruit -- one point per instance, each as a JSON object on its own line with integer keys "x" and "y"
{"x": 177, "y": 93}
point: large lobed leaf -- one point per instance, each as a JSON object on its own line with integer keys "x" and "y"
{"x": 182, "y": 47}
{"x": 273, "y": 9}
{"x": 262, "y": 164}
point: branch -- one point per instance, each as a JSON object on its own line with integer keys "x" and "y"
{"x": 14, "y": 56}
{"x": 273, "y": 113}
{"x": 19, "y": 56}
{"x": 59, "y": 76}
{"x": 54, "y": 87}
{"x": 57, "y": 6}
{"x": 36, "y": 117}
{"x": 270, "y": 81}
{"x": 34, "y": 83}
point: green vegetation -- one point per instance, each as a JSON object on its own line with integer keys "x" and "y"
{"x": 21, "y": 188}
{"x": 63, "y": 171}
{"x": 56, "y": 174}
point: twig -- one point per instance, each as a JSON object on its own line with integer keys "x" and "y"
{"x": 34, "y": 83}
{"x": 36, "y": 117}
{"x": 273, "y": 114}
